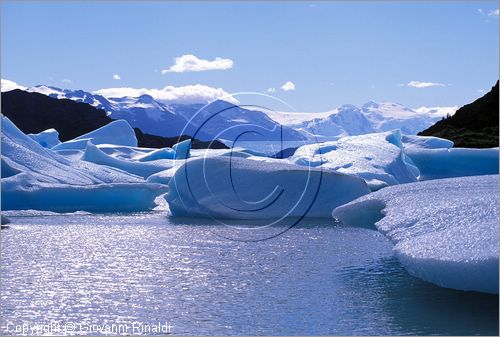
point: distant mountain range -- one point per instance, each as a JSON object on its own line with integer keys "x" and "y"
{"x": 473, "y": 125}
{"x": 33, "y": 112}
{"x": 226, "y": 121}
{"x": 371, "y": 117}
{"x": 218, "y": 120}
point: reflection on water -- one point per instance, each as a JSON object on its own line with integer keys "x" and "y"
{"x": 418, "y": 307}
{"x": 314, "y": 279}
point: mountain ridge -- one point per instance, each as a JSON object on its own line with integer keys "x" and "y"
{"x": 473, "y": 125}
{"x": 35, "y": 112}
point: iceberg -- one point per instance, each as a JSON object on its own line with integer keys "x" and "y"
{"x": 118, "y": 132}
{"x": 34, "y": 177}
{"x": 438, "y": 163}
{"x": 22, "y": 192}
{"x": 444, "y": 231}
{"x": 48, "y": 138}
{"x": 163, "y": 177}
{"x": 178, "y": 151}
{"x": 238, "y": 188}
{"x": 181, "y": 149}
{"x": 164, "y": 153}
{"x": 425, "y": 142}
{"x": 143, "y": 169}
{"x": 378, "y": 158}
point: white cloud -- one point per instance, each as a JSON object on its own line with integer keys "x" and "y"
{"x": 288, "y": 86}
{"x": 8, "y": 85}
{"x": 271, "y": 90}
{"x": 67, "y": 81}
{"x": 197, "y": 93}
{"x": 418, "y": 84}
{"x": 493, "y": 12}
{"x": 190, "y": 62}
{"x": 116, "y": 77}
{"x": 438, "y": 111}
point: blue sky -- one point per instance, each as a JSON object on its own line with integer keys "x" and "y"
{"x": 417, "y": 54}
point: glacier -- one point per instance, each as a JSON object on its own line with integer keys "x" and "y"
{"x": 239, "y": 188}
{"x": 34, "y": 177}
{"x": 444, "y": 231}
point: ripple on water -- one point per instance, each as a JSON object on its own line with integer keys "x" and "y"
{"x": 313, "y": 279}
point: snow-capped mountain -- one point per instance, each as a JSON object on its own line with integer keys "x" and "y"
{"x": 219, "y": 120}
{"x": 224, "y": 120}
{"x": 347, "y": 120}
{"x": 371, "y": 117}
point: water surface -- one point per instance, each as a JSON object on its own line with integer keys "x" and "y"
{"x": 315, "y": 279}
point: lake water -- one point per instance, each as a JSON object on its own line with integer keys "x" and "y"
{"x": 314, "y": 279}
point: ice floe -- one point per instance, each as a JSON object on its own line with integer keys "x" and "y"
{"x": 118, "y": 132}
{"x": 455, "y": 162}
{"x": 48, "y": 138}
{"x": 378, "y": 158}
{"x": 34, "y": 177}
{"x": 238, "y": 188}
{"x": 445, "y": 231}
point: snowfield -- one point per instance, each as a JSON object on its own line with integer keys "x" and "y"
{"x": 444, "y": 231}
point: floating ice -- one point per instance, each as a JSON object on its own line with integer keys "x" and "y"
{"x": 178, "y": 151}
{"x": 164, "y": 153}
{"x": 144, "y": 169}
{"x": 378, "y": 158}
{"x": 239, "y": 188}
{"x": 445, "y": 231}
{"x": 182, "y": 149}
{"x": 162, "y": 177}
{"x": 118, "y": 132}
{"x": 37, "y": 178}
{"x": 425, "y": 142}
{"x": 48, "y": 138}
{"x": 455, "y": 162}
{"x": 24, "y": 192}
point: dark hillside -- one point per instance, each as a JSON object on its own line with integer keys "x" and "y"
{"x": 474, "y": 125}
{"x": 34, "y": 112}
